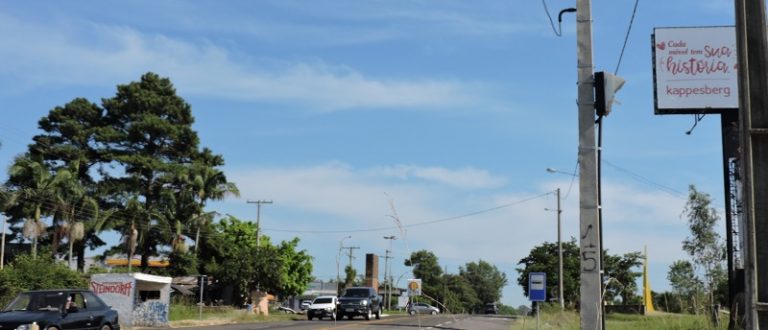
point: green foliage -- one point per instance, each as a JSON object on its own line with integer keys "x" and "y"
{"x": 31, "y": 273}
{"x": 623, "y": 281}
{"x": 233, "y": 257}
{"x": 544, "y": 258}
{"x": 427, "y": 268}
{"x": 486, "y": 280}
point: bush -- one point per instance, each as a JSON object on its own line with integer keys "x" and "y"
{"x": 28, "y": 273}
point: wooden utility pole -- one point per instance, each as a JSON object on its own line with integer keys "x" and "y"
{"x": 753, "y": 126}
{"x": 589, "y": 225}
{"x": 258, "y": 219}
{"x": 349, "y": 254}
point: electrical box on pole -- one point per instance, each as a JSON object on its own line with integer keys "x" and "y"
{"x": 606, "y": 86}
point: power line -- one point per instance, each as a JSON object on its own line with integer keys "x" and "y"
{"x": 626, "y": 38}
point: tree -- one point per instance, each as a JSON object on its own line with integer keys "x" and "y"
{"x": 684, "y": 282}
{"x": 544, "y": 258}
{"x": 232, "y": 255}
{"x": 623, "y": 281}
{"x": 704, "y": 245}
{"x": 426, "y": 267}
{"x": 31, "y": 273}
{"x": 486, "y": 280}
{"x": 350, "y": 275}
{"x": 36, "y": 186}
{"x": 148, "y": 131}
{"x": 459, "y": 295}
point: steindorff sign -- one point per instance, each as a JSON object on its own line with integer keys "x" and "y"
{"x": 694, "y": 70}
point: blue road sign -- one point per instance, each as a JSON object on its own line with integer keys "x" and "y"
{"x": 537, "y": 286}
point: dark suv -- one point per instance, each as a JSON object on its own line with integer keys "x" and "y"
{"x": 364, "y": 301}
{"x": 491, "y": 308}
{"x": 58, "y": 309}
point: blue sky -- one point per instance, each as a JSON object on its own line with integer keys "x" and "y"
{"x": 332, "y": 108}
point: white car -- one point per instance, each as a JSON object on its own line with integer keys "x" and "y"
{"x": 321, "y": 307}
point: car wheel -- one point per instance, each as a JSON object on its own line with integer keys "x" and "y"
{"x": 368, "y": 315}
{"x": 350, "y": 316}
{"x": 106, "y": 327}
{"x": 378, "y": 314}
{"x": 309, "y": 317}
{"x": 433, "y": 313}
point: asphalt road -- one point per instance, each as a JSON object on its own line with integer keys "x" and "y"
{"x": 399, "y": 322}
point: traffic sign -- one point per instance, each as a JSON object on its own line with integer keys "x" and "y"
{"x": 537, "y": 286}
{"x": 414, "y": 287}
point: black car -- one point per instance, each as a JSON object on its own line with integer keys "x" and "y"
{"x": 491, "y": 309}
{"x": 63, "y": 309}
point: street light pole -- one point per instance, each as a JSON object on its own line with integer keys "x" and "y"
{"x": 559, "y": 251}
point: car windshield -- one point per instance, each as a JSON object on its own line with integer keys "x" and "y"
{"x": 323, "y": 301}
{"x": 356, "y": 293}
{"x": 35, "y": 301}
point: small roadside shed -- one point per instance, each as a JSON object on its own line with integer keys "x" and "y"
{"x": 139, "y": 299}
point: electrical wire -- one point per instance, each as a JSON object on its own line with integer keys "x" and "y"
{"x": 626, "y": 38}
{"x": 551, "y": 22}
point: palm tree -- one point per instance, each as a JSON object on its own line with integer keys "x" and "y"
{"x": 210, "y": 184}
{"x": 37, "y": 189}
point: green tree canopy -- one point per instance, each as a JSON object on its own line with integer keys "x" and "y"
{"x": 486, "y": 280}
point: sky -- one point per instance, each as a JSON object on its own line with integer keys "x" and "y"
{"x": 348, "y": 114}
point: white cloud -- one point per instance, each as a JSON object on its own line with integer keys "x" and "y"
{"x": 467, "y": 178}
{"x": 98, "y": 54}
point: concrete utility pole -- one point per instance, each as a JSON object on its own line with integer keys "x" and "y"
{"x": 338, "y": 256}
{"x": 753, "y": 118}
{"x": 559, "y": 255}
{"x": 258, "y": 219}
{"x": 349, "y": 254}
{"x": 388, "y": 272}
{"x": 2, "y": 244}
{"x": 589, "y": 234}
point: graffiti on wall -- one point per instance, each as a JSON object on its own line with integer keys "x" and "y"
{"x": 151, "y": 313}
{"x": 123, "y": 288}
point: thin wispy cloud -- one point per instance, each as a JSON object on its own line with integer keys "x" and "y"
{"x": 52, "y": 55}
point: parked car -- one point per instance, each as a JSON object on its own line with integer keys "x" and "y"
{"x": 422, "y": 308}
{"x": 58, "y": 310}
{"x": 323, "y": 306}
{"x": 491, "y": 308}
{"x": 305, "y": 304}
{"x": 363, "y": 301}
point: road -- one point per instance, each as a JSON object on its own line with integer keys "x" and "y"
{"x": 399, "y": 322}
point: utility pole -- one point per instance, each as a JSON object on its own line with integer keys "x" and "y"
{"x": 2, "y": 243}
{"x": 349, "y": 254}
{"x": 589, "y": 226}
{"x": 258, "y": 219}
{"x": 752, "y": 50}
{"x": 338, "y": 256}
{"x": 559, "y": 255}
{"x": 387, "y": 270}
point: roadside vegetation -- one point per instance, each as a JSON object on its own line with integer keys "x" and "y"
{"x": 553, "y": 318}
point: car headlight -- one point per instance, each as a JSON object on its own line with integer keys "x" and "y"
{"x": 364, "y": 302}
{"x": 24, "y": 327}
{"x": 329, "y": 309}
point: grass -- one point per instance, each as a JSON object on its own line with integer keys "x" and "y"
{"x": 570, "y": 320}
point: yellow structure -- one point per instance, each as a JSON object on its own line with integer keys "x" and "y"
{"x": 647, "y": 299}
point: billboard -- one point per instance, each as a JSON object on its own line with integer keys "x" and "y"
{"x": 695, "y": 70}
